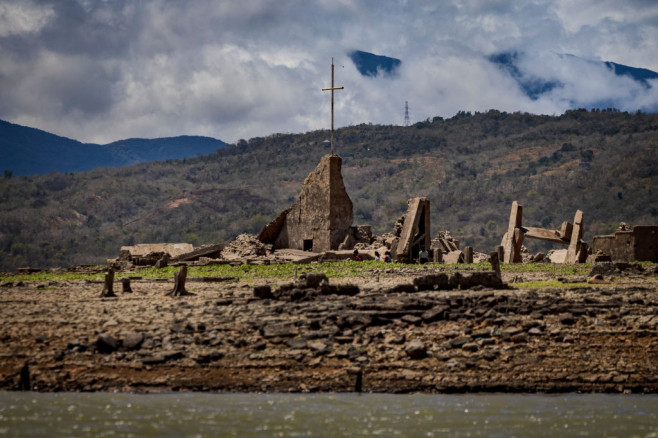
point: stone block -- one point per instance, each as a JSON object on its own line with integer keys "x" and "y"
{"x": 453, "y": 257}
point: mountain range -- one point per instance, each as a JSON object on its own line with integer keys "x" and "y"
{"x": 28, "y": 151}
{"x": 539, "y": 75}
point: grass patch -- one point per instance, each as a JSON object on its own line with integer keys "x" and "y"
{"x": 548, "y": 284}
{"x": 338, "y": 269}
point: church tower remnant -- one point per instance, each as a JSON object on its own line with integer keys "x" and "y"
{"x": 322, "y": 216}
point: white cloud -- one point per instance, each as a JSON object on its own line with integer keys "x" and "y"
{"x": 25, "y": 17}
{"x": 100, "y": 71}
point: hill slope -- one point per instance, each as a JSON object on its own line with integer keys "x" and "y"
{"x": 28, "y": 151}
{"x": 471, "y": 167}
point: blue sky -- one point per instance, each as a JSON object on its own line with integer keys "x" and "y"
{"x": 104, "y": 70}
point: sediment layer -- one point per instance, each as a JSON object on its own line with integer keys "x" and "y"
{"x": 228, "y": 338}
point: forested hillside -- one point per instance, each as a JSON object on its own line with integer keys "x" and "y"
{"x": 471, "y": 167}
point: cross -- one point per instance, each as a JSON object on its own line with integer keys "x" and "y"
{"x": 332, "y": 103}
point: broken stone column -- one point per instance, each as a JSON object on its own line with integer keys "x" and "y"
{"x": 468, "y": 255}
{"x": 495, "y": 265}
{"x": 513, "y": 239}
{"x": 574, "y": 253}
{"x": 415, "y": 232}
{"x": 500, "y": 251}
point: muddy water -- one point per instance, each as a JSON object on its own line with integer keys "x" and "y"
{"x": 326, "y": 415}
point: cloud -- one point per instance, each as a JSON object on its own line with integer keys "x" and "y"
{"x": 22, "y": 18}
{"x": 101, "y": 71}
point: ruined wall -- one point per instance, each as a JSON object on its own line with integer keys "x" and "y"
{"x": 322, "y": 217}
{"x": 639, "y": 244}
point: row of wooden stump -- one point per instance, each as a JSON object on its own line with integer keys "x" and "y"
{"x": 178, "y": 290}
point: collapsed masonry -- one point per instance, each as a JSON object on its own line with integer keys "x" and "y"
{"x": 629, "y": 244}
{"x": 321, "y": 219}
{"x": 411, "y": 232}
{"x": 161, "y": 254}
{"x": 569, "y": 234}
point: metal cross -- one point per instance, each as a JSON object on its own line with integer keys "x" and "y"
{"x": 332, "y": 103}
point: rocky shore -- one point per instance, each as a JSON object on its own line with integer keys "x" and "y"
{"x": 382, "y": 333}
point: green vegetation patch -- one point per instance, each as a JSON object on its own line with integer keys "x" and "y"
{"x": 543, "y": 284}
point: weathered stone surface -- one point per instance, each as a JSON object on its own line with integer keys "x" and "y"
{"x": 245, "y": 245}
{"x": 280, "y": 330}
{"x": 468, "y": 254}
{"x": 557, "y": 256}
{"x": 147, "y": 254}
{"x": 437, "y": 313}
{"x": 569, "y": 234}
{"x": 512, "y": 241}
{"x": 321, "y": 218}
{"x": 575, "y": 251}
{"x": 432, "y": 282}
{"x": 453, "y": 257}
{"x": 133, "y": 340}
{"x": 459, "y": 342}
{"x": 212, "y": 251}
{"x": 216, "y": 340}
{"x": 519, "y": 338}
{"x": 617, "y": 268}
{"x": 263, "y": 291}
{"x": 416, "y": 349}
{"x": 315, "y": 280}
{"x": 106, "y": 343}
{"x": 628, "y": 244}
{"x": 415, "y": 233}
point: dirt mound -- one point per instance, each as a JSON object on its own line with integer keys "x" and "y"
{"x": 245, "y": 245}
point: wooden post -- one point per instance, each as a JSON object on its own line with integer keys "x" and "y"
{"x": 358, "y": 385}
{"x": 24, "y": 379}
{"x": 125, "y": 282}
{"x": 108, "y": 288}
{"x": 179, "y": 283}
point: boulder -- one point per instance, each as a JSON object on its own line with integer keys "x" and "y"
{"x": 416, "y": 349}
{"x": 106, "y": 344}
{"x": 133, "y": 340}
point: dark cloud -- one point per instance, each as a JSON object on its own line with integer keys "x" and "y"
{"x": 99, "y": 70}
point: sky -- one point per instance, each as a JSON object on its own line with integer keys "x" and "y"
{"x": 105, "y": 70}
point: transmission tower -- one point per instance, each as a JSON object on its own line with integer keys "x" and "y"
{"x": 406, "y": 113}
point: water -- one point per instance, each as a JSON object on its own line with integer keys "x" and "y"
{"x": 327, "y": 415}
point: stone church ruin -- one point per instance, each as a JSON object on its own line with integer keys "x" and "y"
{"x": 321, "y": 219}
{"x": 318, "y": 227}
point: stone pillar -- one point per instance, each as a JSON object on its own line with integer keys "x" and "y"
{"x": 500, "y": 251}
{"x": 576, "y": 237}
{"x": 495, "y": 265}
{"x": 468, "y": 255}
{"x": 513, "y": 239}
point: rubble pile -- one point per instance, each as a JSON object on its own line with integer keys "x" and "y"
{"x": 245, "y": 245}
